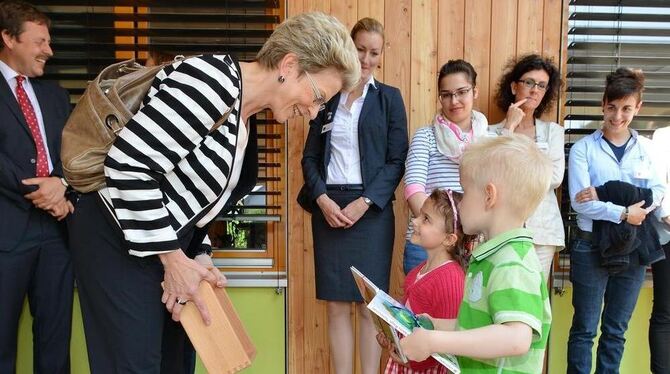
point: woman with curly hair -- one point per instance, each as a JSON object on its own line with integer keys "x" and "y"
{"x": 526, "y": 91}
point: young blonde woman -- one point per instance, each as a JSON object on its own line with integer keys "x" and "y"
{"x": 352, "y": 163}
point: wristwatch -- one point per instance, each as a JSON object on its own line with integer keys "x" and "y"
{"x": 625, "y": 215}
{"x": 368, "y": 201}
{"x": 64, "y": 182}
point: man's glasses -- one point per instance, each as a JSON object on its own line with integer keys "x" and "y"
{"x": 408, "y": 318}
{"x": 446, "y": 95}
{"x": 530, "y": 83}
{"x": 319, "y": 100}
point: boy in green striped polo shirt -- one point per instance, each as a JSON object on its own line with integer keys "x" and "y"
{"x": 504, "y": 319}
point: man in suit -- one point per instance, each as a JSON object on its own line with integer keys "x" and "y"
{"x": 34, "y": 259}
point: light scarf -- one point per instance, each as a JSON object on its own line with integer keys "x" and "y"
{"x": 451, "y": 141}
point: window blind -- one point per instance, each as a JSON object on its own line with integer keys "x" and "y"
{"x": 89, "y": 35}
{"x": 604, "y": 35}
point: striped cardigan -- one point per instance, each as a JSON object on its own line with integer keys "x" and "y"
{"x": 169, "y": 169}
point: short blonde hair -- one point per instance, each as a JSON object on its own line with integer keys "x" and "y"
{"x": 320, "y": 41}
{"x": 515, "y": 165}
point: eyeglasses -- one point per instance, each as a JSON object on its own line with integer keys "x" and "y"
{"x": 530, "y": 83}
{"x": 454, "y": 95}
{"x": 408, "y": 319}
{"x": 319, "y": 100}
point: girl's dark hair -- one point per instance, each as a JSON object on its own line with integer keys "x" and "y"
{"x": 517, "y": 68}
{"x": 624, "y": 82}
{"x": 13, "y": 13}
{"x": 458, "y": 66}
{"x": 442, "y": 204}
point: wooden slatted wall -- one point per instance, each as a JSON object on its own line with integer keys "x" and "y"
{"x": 421, "y": 35}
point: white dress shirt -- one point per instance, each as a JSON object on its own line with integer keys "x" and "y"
{"x": 10, "y": 76}
{"x": 345, "y": 157}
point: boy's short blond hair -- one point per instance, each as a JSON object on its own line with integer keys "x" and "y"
{"x": 320, "y": 41}
{"x": 515, "y": 165}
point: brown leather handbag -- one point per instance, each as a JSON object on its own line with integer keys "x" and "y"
{"x": 108, "y": 103}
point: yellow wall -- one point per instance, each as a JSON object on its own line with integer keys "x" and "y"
{"x": 636, "y": 354}
{"x": 261, "y": 310}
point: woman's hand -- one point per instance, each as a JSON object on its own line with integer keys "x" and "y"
{"x": 181, "y": 282}
{"x": 206, "y": 261}
{"x": 587, "y": 194}
{"x": 636, "y": 214}
{"x": 355, "y": 210}
{"x": 514, "y": 115}
{"x": 331, "y": 211}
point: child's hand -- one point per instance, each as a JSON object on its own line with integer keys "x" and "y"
{"x": 383, "y": 342}
{"x": 416, "y": 345}
{"x": 393, "y": 353}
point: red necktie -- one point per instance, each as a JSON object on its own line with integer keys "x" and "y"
{"x": 42, "y": 165}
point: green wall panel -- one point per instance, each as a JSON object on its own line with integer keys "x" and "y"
{"x": 261, "y": 310}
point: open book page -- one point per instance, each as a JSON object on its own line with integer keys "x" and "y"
{"x": 403, "y": 320}
{"x": 368, "y": 291}
{"x": 396, "y": 343}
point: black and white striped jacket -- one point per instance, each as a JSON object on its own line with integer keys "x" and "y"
{"x": 169, "y": 170}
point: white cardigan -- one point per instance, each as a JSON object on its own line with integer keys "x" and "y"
{"x": 546, "y": 222}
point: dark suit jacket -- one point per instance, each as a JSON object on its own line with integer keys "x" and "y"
{"x": 382, "y": 139}
{"x": 18, "y": 154}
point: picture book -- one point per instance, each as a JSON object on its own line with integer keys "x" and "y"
{"x": 368, "y": 291}
{"x": 396, "y": 316}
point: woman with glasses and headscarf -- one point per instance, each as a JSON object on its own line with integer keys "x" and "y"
{"x": 526, "y": 91}
{"x": 352, "y": 163}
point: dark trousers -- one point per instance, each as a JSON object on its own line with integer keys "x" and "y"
{"x": 592, "y": 285}
{"x": 39, "y": 267}
{"x": 659, "y": 323}
{"x": 126, "y": 325}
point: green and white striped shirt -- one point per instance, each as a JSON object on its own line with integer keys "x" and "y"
{"x": 504, "y": 284}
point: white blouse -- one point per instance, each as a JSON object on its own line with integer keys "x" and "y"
{"x": 546, "y": 222}
{"x": 344, "y": 166}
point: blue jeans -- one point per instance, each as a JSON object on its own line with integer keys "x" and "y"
{"x": 413, "y": 256}
{"x": 591, "y": 285}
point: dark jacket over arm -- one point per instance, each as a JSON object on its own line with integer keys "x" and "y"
{"x": 617, "y": 242}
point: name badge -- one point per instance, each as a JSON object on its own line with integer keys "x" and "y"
{"x": 544, "y": 146}
{"x": 643, "y": 169}
{"x": 642, "y": 172}
{"x": 327, "y": 127}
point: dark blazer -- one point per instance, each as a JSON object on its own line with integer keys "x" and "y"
{"x": 382, "y": 139}
{"x": 18, "y": 154}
